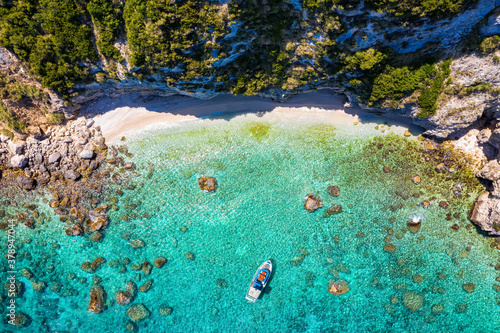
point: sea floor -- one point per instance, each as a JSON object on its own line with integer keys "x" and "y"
{"x": 264, "y": 168}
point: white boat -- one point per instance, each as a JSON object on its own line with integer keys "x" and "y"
{"x": 259, "y": 281}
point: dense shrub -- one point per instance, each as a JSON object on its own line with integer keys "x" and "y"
{"x": 429, "y": 95}
{"x": 394, "y": 83}
{"x": 489, "y": 44}
{"x": 106, "y": 15}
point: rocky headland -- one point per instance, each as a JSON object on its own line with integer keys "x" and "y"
{"x": 72, "y": 164}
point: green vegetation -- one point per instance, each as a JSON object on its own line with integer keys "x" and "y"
{"x": 10, "y": 119}
{"x": 394, "y": 83}
{"x": 264, "y": 45}
{"x": 419, "y": 8}
{"x": 51, "y": 36}
{"x": 429, "y": 95}
{"x": 54, "y": 118}
{"x": 168, "y": 33}
{"x": 8, "y": 133}
{"x": 106, "y": 15}
{"x": 490, "y": 44}
{"x": 365, "y": 60}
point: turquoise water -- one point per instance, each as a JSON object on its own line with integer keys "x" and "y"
{"x": 264, "y": 170}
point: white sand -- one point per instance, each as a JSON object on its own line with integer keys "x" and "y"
{"x": 133, "y": 113}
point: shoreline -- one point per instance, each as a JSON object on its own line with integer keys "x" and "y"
{"x": 136, "y": 113}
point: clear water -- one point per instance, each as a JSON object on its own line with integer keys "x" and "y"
{"x": 264, "y": 170}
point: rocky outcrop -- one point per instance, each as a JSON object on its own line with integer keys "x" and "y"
{"x": 312, "y": 202}
{"x": 485, "y": 213}
{"x": 97, "y": 301}
{"x": 207, "y": 184}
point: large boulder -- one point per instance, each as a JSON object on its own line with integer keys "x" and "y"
{"x": 138, "y": 312}
{"x": 98, "y": 219}
{"x": 490, "y": 171}
{"x": 207, "y": 184}
{"x": 485, "y": 213}
{"x": 312, "y": 202}
{"x": 26, "y": 183}
{"x": 97, "y": 300}
{"x": 19, "y": 161}
{"x": 16, "y": 148}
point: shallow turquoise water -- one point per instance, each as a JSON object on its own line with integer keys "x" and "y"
{"x": 264, "y": 170}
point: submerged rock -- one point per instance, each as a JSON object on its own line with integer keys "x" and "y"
{"x": 469, "y": 287}
{"x": 312, "y": 202}
{"x": 146, "y": 268}
{"x": 39, "y": 286}
{"x": 97, "y": 300}
{"x": 207, "y": 184}
{"x": 460, "y": 307}
{"x": 159, "y": 262}
{"x": 413, "y": 300}
{"x": 414, "y": 226}
{"x": 165, "y": 311}
{"x": 21, "y": 319}
{"x": 333, "y": 209}
{"x": 338, "y": 287}
{"x": 131, "y": 288}
{"x": 389, "y": 248}
{"x": 122, "y": 297}
{"x": 146, "y": 286}
{"x": 333, "y": 190}
{"x": 138, "y": 312}
{"x": 137, "y": 243}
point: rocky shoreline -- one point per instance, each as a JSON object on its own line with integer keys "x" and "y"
{"x": 69, "y": 163}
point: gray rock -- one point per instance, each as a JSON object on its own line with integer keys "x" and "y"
{"x": 90, "y": 123}
{"x": 19, "y": 161}
{"x": 4, "y": 138}
{"x": 72, "y": 175}
{"x": 15, "y": 148}
{"x": 86, "y": 154}
{"x": 55, "y": 157}
{"x": 26, "y": 183}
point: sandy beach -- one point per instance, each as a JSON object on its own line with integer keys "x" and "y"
{"x": 133, "y": 113}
